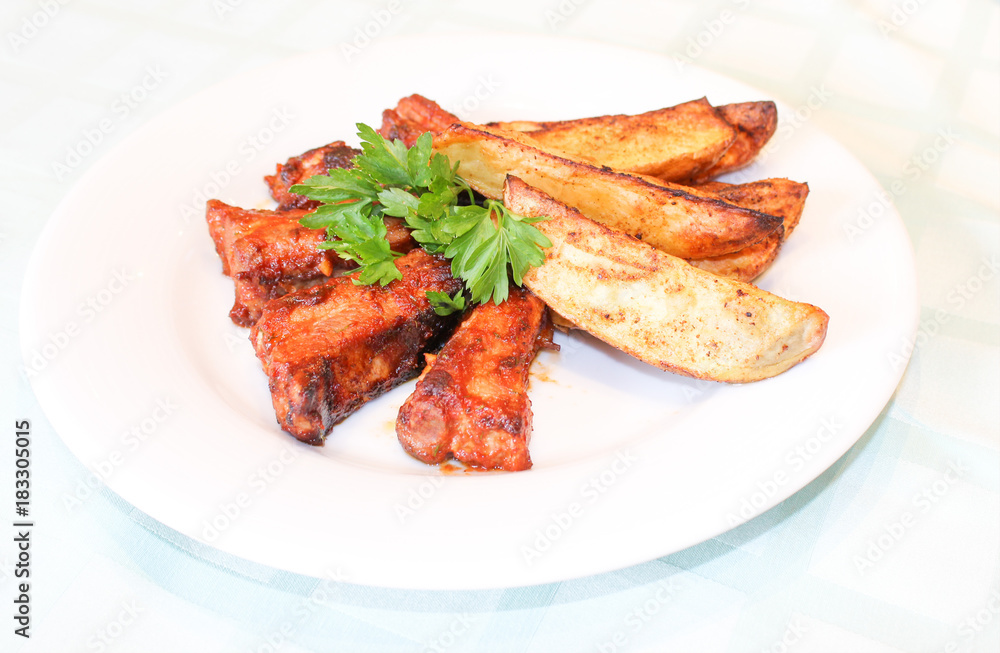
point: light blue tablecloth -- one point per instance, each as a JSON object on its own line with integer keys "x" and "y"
{"x": 894, "y": 548}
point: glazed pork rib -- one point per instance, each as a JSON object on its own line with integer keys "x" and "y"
{"x": 269, "y": 254}
{"x": 299, "y": 168}
{"x": 472, "y": 403}
{"x": 412, "y": 116}
{"x": 330, "y": 348}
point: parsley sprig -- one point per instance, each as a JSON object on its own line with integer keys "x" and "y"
{"x": 487, "y": 245}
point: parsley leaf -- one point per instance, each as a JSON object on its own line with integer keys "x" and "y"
{"x": 338, "y": 185}
{"x": 358, "y": 236}
{"x": 488, "y": 245}
{"x": 445, "y": 305}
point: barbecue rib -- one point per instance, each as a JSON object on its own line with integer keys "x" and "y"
{"x": 413, "y": 116}
{"x": 471, "y": 403}
{"x": 299, "y": 168}
{"x": 330, "y": 348}
{"x": 269, "y": 254}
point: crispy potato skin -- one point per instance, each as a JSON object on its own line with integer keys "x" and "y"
{"x": 780, "y": 197}
{"x": 681, "y": 221}
{"x": 685, "y": 143}
{"x": 674, "y": 143}
{"x": 746, "y": 264}
{"x": 659, "y": 308}
{"x": 755, "y": 123}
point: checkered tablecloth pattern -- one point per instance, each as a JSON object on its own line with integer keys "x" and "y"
{"x": 894, "y": 548}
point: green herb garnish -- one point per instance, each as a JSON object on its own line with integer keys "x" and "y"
{"x": 487, "y": 244}
{"x": 445, "y": 305}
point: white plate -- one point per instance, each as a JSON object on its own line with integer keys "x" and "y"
{"x": 138, "y": 368}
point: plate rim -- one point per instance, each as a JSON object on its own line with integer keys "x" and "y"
{"x": 49, "y": 234}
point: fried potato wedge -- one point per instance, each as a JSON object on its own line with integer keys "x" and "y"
{"x": 746, "y": 264}
{"x": 681, "y": 221}
{"x": 755, "y": 123}
{"x": 780, "y": 197}
{"x": 658, "y": 308}
{"x": 679, "y": 142}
